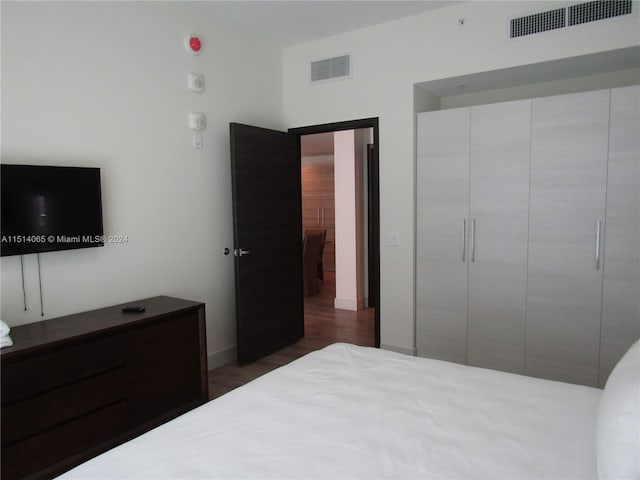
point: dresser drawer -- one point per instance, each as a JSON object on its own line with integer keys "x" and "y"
{"x": 44, "y": 411}
{"x": 75, "y": 386}
{"x": 34, "y": 453}
{"x": 31, "y": 376}
{"x": 163, "y": 361}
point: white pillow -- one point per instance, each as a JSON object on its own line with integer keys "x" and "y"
{"x": 618, "y": 430}
{"x": 4, "y": 329}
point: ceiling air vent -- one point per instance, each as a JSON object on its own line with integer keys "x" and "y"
{"x": 540, "y": 22}
{"x": 330, "y": 68}
{"x": 566, "y": 17}
{"x": 599, "y": 10}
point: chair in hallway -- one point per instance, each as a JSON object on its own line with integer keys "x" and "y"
{"x": 312, "y": 248}
{"x": 319, "y": 266}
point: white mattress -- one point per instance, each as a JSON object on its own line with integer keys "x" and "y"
{"x": 356, "y": 412}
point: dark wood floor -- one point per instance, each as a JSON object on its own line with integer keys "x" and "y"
{"x": 323, "y": 325}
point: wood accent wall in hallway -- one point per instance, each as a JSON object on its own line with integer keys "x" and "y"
{"x": 318, "y": 207}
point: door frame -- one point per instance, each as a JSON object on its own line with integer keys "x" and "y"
{"x": 373, "y": 195}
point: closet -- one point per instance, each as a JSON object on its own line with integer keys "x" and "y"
{"x": 569, "y": 140}
{"x": 621, "y": 285}
{"x": 473, "y": 199}
{"x": 527, "y": 234}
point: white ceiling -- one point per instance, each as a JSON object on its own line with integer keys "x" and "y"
{"x": 286, "y": 23}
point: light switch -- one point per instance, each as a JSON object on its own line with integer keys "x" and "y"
{"x": 393, "y": 239}
{"x": 197, "y": 140}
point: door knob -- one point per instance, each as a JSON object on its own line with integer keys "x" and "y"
{"x": 239, "y": 252}
{"x": 226, "y": 251}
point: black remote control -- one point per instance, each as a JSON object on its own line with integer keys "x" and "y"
{"x": 133, "y": 309}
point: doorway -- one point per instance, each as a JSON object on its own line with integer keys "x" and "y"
{"x": 322, "y": 215}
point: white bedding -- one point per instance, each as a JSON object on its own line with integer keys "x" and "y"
{"x": 357, "y": 412}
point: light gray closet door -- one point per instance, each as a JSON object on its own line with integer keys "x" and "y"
{"x": 442, "y": 212}
{"x": 621, "y": 290}
{"x": 566, "y": 229}
{"x": 499, "y": 211}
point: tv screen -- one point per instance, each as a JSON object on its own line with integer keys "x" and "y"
{"x": 47, "y": 208}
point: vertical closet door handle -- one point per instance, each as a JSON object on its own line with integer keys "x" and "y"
{"x": 473, "y": 240}
{"x": 318, "y": 216}
{"x": 598, "y": 228}
{"x": 464, "y": 238}
{"x": 323, "y": 216}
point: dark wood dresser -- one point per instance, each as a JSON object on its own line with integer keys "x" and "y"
{"x": 75, "y": 386}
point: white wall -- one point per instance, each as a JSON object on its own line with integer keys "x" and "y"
{"x": 348, "y": 273}
{"x": 387, "y": 61}
{"x": 104, "y": 84}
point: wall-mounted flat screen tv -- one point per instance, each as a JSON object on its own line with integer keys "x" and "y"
{"x": 46, "y": 208}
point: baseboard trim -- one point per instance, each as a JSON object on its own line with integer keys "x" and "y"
{"x": 348, "y": 304}
{"x": 222, "y": 357}
{"x": 394, "y": 348}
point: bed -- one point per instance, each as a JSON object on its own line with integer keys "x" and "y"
{"x": 357, "y": 412}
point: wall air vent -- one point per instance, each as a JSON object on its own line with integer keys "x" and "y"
{"x": 598, "y": 10}
{"x": 566, "y": 17}
{"x": 330, "y": 68}
{"x": 540, "y": 22}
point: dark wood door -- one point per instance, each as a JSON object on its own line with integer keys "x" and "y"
{"x": 267, "y": 235}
